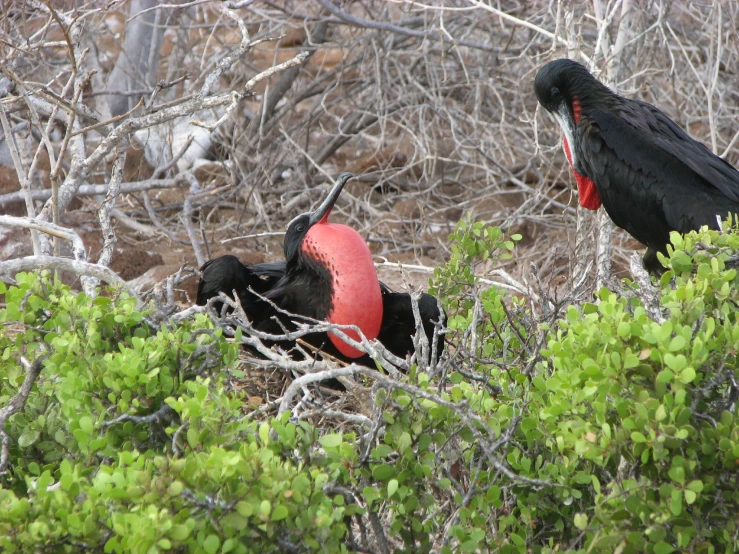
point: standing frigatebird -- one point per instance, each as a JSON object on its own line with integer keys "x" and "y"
{"x": 328, "y": 274}
{"x": 627, "y": 155}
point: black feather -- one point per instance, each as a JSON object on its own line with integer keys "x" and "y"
{"x": 227, "y": 273}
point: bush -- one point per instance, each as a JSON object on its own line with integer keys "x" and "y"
{"x": 90, "y": 468}
{"x": 631, "y": 421}
{"x": 557, "y": 427}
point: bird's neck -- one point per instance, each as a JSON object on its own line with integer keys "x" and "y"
{"x": 309, "y": 287}
{"x": 593, "y": 96}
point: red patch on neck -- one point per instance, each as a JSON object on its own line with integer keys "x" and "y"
{"x": 356, "y": 295}
{"x": 585, "y": 187}
{"x": 576, "y": 109}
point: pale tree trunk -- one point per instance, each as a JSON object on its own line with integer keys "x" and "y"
{"x": 594, "y": 235}
{"x": 137, "y": 64}
{"x": 604, "y": 225}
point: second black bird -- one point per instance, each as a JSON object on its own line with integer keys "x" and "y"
{"x": 328, "y": 274}
{"x": 627, "y": 155}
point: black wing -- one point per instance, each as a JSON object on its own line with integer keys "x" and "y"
{"x": 273, "y": 270}
{"x": 399, "y": 326}
{"x": 224, "y": 274}
{"x": 227, "y": 273}
{"x": 668, "y": 136}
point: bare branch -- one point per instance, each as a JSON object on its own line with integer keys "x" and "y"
{"x": 648, "y": 293}
{"x": 78, "y": 247}
{"x": 15, "y": 405}
{"x": 22, "y": 179}
{"x": 8, "y": 269}
{"x": 106, "y": 208}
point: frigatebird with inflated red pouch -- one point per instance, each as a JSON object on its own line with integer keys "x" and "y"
{"x": 328, "y": 274}
{"x": 649, "y": 175}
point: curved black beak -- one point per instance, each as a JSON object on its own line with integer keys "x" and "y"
{"x": 322, "y": 212}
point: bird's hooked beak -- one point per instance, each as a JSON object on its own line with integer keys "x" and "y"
{"x": 563, "y": 117}
{"x": 565, "y": 120}
{"x": 322, "y": 212}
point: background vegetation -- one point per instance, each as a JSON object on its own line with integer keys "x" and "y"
{"x": 564, "y": 416}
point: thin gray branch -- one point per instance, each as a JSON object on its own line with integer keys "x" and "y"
{"x": 15, "y": 405}
{"x": 96, "y": 190}
{"x": 114, "y": 187}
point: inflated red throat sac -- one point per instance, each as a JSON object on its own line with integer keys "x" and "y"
{"x": 356, "y": 295}
{"x": 585, "y": 186}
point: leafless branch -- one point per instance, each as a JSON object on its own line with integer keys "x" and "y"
{"x": 648, "y": 293}
{"x": 106, "y": 208}
{"x": 78, "y": 247}
{"x": 16, "y": 404}
{"x": 9, "y": 268}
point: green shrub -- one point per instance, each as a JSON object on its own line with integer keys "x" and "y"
{"x": 83, "y": 475}
{"x": 633, "y": 422}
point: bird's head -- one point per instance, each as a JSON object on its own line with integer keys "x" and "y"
{"x": 564, "y": 86}
{"x": 552, "y": 83}
{"x": 300, "y": 227}
{"x": 567, "y": 90}
{"x": 561, "y": 81}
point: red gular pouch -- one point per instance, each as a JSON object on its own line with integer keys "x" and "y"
{"x": 356, "y": 298}
{"x": 585, "y": 186}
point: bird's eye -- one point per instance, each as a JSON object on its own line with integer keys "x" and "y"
{"x": 555, "y": 93}
{"x": 300, "y": 227}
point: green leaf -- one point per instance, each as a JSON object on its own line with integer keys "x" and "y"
{"x": 696, "y": 486}
{"x": 179, "y": 532}
{"x": 383, "y": 472}
{"x": 690, "y": 496}
{"x": 392, "y": 487}
{"x": 581, "y": 521}
{"x": 677, "y": 343}
{"x": 469, "y": 546}
{"x": 211, "y": 544}
{"x": 265, "y": 507}
{"x": 665, "y": 376}
{"x": 175, "y": 488}
{"x": 676, "y": 503}
{"x": 370, "y": 495}
{"x": 517, "y": 540}
{"x": 681, "y": 261}
{"x": 331, "y": 440}
{"x": 688, "y": 375}
{"x": 28, "y": 437}
{"x": 244, "y": 508}
{"x": 677, "y": 474}
{"x": 263, "y": 433}
{"x": 636, "y": 436}
{"x": 493, "y": 493}
{"x": 279, "y": 513}
{"x": 675, "y": 363}
{"x": 663, "y": 548}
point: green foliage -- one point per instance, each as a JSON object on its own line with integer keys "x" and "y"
{"x": 83, "y": 477}
{"x": 579, "y": 428}
{"x": 632, "y": 421}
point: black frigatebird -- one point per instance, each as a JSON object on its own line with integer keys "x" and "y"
{"x": 328, "y": 274}
{"x": 627, "y": 155}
